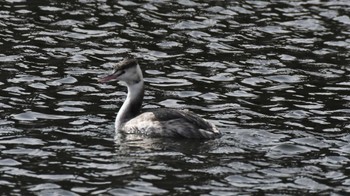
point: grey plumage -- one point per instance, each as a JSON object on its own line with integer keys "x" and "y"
{"x": 171, "y": 123}
{"x": 155, "y": 123}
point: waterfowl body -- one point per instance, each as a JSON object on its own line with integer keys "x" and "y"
{"x": 158, "y": 122}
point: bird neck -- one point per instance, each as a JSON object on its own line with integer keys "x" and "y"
{"x": 132, "y": 104}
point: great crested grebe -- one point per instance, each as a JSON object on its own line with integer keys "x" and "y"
{"x": 158, "y": 122}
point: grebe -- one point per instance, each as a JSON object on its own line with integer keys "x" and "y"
{"x": 158, "y": 122}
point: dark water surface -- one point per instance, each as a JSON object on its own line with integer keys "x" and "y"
{"x": 272, "y": 75}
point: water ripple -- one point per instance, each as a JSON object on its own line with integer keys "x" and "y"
{"x": 272, "y": 75}
{"x": 32, "y": 116}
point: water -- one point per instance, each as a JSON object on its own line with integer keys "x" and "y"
{"x": 272, "y": 75}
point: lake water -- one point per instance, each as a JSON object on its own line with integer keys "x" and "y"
{"x": 272, "y": 75}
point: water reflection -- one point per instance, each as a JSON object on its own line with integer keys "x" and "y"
{"x": 272, "y": 75}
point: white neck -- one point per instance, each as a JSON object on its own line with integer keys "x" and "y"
{"x": 132, "y": 105}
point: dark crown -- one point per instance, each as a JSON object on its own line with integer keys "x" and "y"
{"x": 126, "y": 63}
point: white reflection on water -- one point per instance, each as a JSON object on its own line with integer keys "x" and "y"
{"x": 273, "y": 76}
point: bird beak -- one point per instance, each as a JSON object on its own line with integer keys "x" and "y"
{"x": 111, "y": 77}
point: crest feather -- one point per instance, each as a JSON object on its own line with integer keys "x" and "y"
{"x": 125, "y": 63}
